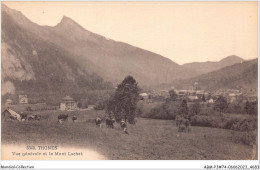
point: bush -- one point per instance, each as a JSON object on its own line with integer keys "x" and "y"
{"x": 228, "y": 122}
{"x": 166, "y": 110}
{"x": 28, "y": 108}
{"x": 201, "y": 121}
{"x": 247, "y": 138}
{"x": 225, "y": 122}
{"x": 101, "y": 105}
{"x": 139, "y": 110}
{"x": 45, "y": 116}
{"x": 216, "y": 123}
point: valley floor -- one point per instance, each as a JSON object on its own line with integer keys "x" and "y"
{"x": 147, "y": 140}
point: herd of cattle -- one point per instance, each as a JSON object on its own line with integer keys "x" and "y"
{"x": 109, "y": 122}
{"x": 182, "y": 123}
{"x": 25, "y": 116}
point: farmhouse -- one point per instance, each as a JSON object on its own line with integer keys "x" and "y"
{"x": 68, "y": 103}
{"x": 10, "y": 114}
{"x": 23, "y": 99}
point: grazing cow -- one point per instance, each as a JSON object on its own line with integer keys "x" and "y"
{"x": 179, "y": 120}
{"x": 24, "y": 116}
{"x": 35, "y": 117}
{"x": 182, "y": 128}
{"x": 74, "y": 119}
{"x": 38, "y": 117}
{"x": 31, "y": 117}
{"x": 123, "y": 126}
{"x": 183, "y": 124}
{"x": 132, "y": 121}
{"x": 110, "y": 123}
{"x": 13, "y": 117}
{"x": 63, "y": 117}
{"x": 186, "y": 122}
{"x": 98, "y": 121}
{"x": 60, "y": 121}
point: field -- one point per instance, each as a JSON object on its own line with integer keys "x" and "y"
{"x": 149, "y": 139}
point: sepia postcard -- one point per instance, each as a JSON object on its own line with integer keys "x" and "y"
{"x": 129, "y": 81}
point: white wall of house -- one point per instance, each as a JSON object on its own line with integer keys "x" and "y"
{"x": 62, "y": 106}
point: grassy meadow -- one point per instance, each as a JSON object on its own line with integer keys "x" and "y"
{"x": 149, "y": 139}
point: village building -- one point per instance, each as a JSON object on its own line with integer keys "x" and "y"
{"x": 232, "y": 97}
{"x": 23, "y": 99}
{"x": 200, "y": 94}
{"x": 144, "y": 97}
{"x": 252, "y": 98}
{"x": 195, "y": 86}
{"x": 210, "y": 100}
{"x": 68, "y": 103}
{"x": 192, "y": 98}
{"x": 181, "y": 93}
{"x": 164, "y": 93}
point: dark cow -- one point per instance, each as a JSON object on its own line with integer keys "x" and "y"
{"x": 13, "y": 117}
{"x": 74, "y": 119}
{"x": 183, "y": 124}
{"x": 132, "y": 121}
{"x": 35, "y": 117}
{"x": 62, "y": 117}
{"x": 182, "y": 128}
{"x": 123, "y": 126}
{"x": 98, "y": 121}
{"x": 38, "y": 117}
{"x": 110, "y": 123}
{"x": 24, "y": 116}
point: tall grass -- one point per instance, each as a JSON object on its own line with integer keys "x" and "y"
{"x": 147, "y": 140}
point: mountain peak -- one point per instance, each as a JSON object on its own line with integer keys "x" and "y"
{"x": 69, "y": 23}
{"x": 232, "y": 59}
{"x": 66, "y": 20}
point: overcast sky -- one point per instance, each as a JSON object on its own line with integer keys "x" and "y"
{"x": 182, "y": 31}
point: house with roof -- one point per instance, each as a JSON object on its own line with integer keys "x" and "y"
{"x": 192, "y": 98}
{"x": 23, "y": 99}
{"x": 252, "y": 98}
{"x": 210, "y": 100}
{"x": 68, "y": 103}
{"x": 144, "y": 97}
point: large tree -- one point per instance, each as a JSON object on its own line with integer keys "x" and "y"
{"x": 221, "y": 104}
{"x": 123, "y": 104}
{"x": 183, "y": 109}
{"x": 203, "y": 99}
{"x": 251, "y": 108}
{"x": 195, "y": 108}
{"x": 173, "y": 95}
